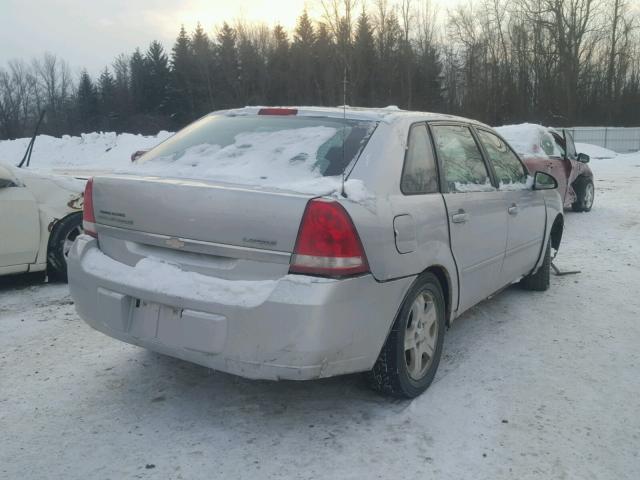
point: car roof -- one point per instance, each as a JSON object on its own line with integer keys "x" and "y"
{"x": 388, "y": 114}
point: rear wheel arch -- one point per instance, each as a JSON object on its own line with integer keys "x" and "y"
{"x": 556, "y": 231}
{"x": 55, "y": 262}
{"x": 443, "y": 277}
{"x": 390, "y": 373}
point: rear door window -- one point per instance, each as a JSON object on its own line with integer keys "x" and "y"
{"x": 419, "y": 174}
{"x": 464, "y": 167}
{"x": 508, "y": 168}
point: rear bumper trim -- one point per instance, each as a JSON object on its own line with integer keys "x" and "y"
{"x": 195, "y": 246}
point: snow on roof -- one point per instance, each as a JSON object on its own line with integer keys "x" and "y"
{"x": 385, "y": 114}
{"x": 530, "y": 139}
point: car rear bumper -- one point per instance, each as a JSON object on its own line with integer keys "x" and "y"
{"x": 305, "y": 328}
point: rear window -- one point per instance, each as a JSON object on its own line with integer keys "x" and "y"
{"x": 260, "y": 150}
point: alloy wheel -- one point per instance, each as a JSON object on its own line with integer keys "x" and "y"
{"x": 421, "y": 335}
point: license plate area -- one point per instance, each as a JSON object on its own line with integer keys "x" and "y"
{"x": 146, "y": 318}
{"x": 177, "y": 327}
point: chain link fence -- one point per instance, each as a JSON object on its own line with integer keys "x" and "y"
{"x": 618, "y": 139}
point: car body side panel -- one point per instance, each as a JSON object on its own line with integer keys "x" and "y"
{"x": 380, "y": 169}
{"x": 478, "y": 244}
{"x": 554, "y": 208}
{"x": 56, "y": 197}
{"x": 21, "y": 227}
{"x": 525, "y": 233}
{"x": 59, "y": 203}
{"x": 375, "y": 227}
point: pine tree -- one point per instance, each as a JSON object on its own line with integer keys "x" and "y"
{"x": 158, "y": 78}
{"x": 327, "y": 79}
{"x": 106, "y": 99}
{"x": 364, "y": 63}
{"x": 227, "y": 56}
{"x": 139, "y": 79}
{"x": 388, "y": 39}
{"x": 202, "y": 75}
{"x": 122, "y": 102}
{"x": 180, "y": 91}
{"x": 251, "y": 77}
{"x": 429, "y": 77}
{"x": 302, "y": 63}
{"x": 278, "y": 68}
{"x": 86, "y": 103}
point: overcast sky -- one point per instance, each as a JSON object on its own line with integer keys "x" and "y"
{"x": 90, "y": 33}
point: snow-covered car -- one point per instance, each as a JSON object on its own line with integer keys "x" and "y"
{"x": 41, "y": 217}
{"x": 552, "y": 151}
{"x": 299, "y": 243}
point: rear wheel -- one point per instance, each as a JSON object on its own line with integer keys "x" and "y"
{"x": 60, "y": 242}
{"x": 409, "y": 358}
{"x": 540, "y": 280}
{"x": 585, "y": 194}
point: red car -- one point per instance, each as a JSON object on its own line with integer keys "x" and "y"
{"x": 554, "y": 152}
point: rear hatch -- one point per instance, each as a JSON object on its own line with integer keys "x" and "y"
{"x": 225, "y": 196}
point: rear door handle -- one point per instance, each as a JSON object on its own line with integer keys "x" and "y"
{"x": 513, "y": 209}
{"x": 460, "y": 217}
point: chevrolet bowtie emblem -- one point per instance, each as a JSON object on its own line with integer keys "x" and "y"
{"x": 174, "y": 243}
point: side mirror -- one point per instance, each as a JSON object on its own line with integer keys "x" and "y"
{"x": 583, "y": 157}
{"x": 137, "y": 154}
{"x": 544, "y": 181}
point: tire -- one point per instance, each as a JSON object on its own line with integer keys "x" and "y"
{"x": 540, "y": 281}
{"x": 398, "y": 371}
{"x": 585, "y": 193}
{"x": 60, "y": 241}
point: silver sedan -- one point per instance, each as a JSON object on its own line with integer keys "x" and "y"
{"x": 299, "y": 243}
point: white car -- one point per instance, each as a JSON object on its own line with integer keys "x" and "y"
{"x": 41, "y": 217}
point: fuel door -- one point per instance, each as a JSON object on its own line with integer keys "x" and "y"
{"x": 404, "y": 230}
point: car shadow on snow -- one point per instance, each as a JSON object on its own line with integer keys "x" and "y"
{"x": 21, "y": 281}
{"x": 148, "y": 382}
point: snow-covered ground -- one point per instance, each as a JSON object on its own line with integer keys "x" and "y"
{"x": 595, "y": 151}
{"x": 531, "y": 386}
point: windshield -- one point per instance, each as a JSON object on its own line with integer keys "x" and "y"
{"x": 260, "y": 150}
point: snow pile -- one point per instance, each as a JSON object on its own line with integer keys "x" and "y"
{"x": 594, "y": 151}
{"x": 357, "y": 192}
{"x": 158, "y": 276}
{"x": 103, "y": 151}
{"x": 530, "y": 140}
{"x": 162, "y": 277}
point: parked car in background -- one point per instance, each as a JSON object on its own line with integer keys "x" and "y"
{"x": 300, "y": 243}
{"x": 546, "y": 149}
{"x": 41, "y": 217}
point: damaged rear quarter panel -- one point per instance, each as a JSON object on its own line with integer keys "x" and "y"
{"x": 57, "y": 197}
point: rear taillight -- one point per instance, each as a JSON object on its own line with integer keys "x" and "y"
{"x": 278, "y": 111}
{"x": 328, "y": 243}
{"x": 88, "y": 218}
